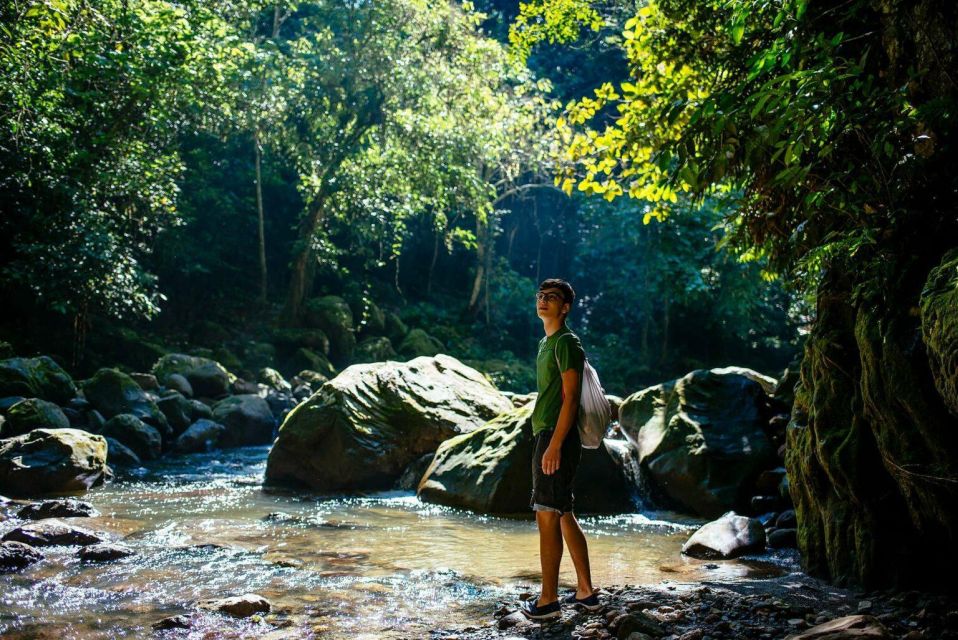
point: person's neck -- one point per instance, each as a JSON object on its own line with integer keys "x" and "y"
{"x": 551, "y": 325}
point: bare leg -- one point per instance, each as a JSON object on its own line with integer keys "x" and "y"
{"x": 579, "y": 550}
{"x": 550, "y": 554}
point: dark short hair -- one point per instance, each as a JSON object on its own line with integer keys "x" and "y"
{"x": 568, "y": 295}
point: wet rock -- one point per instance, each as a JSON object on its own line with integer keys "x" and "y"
{"x": 332, "y": 315}
{"x": 59, "y": 508}
{"x": 783, "y": 538}
{"x": 94, "y": 421}
{"x": 701, "y": 437}
{"x": 728, "y": 537}
{"x": 511, "y": 620}
{"x": 206, "y": 377}
{"x": 17, "y": 555}
{"x": 144, "y": 440}
{"x": 173, "y": 622}
{"x": 393, "y": 326}
{"x": 178, "y": 382}
{"x": 419, "y": 343}
{"x": 274, "y": 380}
{"x": 201, "y": 410}
{"x": 45, "y": 533}
{"x": 242, "y": 606}
{"x": 768, "y": 481}
{"x": 33, "y": 413}
{"x": 363, "y": 428}
{"x": 848, "y": 628}
{"x": 52, "y": 461}
{"x": 203, "y": 435}
{"x": 121, "y": 455}
{"x": 764, "y": 504}
{"x": 114, "y": 393}
{"x": 247, "y": 418}
{"x": 487, "y": 470}
{"x": 178, "y": 411}
{"x": 39, "y": 377}
{"x": 786, "y": 520}
{"x": 639, "y": 622}
{"x": 106, "y": 552}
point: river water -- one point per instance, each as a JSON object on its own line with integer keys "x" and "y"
{"x": 381, "y": 565}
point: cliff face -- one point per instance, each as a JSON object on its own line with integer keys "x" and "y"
{"x": 873, "y": 439}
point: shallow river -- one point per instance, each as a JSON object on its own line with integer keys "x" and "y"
{"x": 383, "y": 565}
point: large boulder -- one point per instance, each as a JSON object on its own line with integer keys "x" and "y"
{"x": 701, "y": 437}
{"x": 489, "y": 470}
{"x": 306, "y": 359}
{"x": 728, "y": 537}
{"x": 419, "y": 343}
{"x": 33, "y": 413}
{"x": 361, "y": 429}
{"x": 39, "y": 377}
{"x": 202, "y": 435}
{"x": 178, "y": 411}
{"x": 333, "y": 316}
{"x": 143, "y": 439}
{"x": 207, "y": 377}
{"x": 247, "y": 418}
{"x": 370, "y": 319}
{"x": 113, "y": 393}
{"x": 51, "y": 462}
{"x": 118, "y": 454}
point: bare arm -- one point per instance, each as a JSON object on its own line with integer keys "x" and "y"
{"x": 567, "y": 416}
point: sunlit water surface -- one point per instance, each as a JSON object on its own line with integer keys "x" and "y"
{"x": 383, "y": 565}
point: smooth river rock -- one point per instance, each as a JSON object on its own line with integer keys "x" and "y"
{"x": 242, "y": 606}
{"x": 33, "y": 413}
{"x": 51, "y": 532}
{"x": 701, "y": 437}
{"x": 247, "y": 418}
{"x": 206, "y": 377}
{"x": 364, "y": 427}
{"x": 59, "y": 508}
{"x": 17, "y": 555}
{"x": 489, "y": 470}
{"x": 144, "y": 440}
{"x": 113, "y": 393}
{"x": 52, "y": 462}
{"x": 728, "y": 537}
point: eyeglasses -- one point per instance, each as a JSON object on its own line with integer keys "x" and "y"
{"x": 549, "y": 297}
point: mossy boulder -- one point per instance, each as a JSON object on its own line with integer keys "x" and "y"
{"x": 33, "y": 413}
{"x": 202, "y": 435}
{"x": 305, "y": 359}
{"x": 369, "y": 319}
{"x": 394, "y": 328}
{"x": 247, "y": 418}
{"x": 939, "y": 327}
{"x": 207, "y": 377}
{"x": 508, "y": 374}
{"x": 377, "y": 349}
{"x": 333, "y": 316}
{"x": 702, "y": 437}
{"x": 489, "y": 470}
{"x": 290, "y": 339}
{"x": 419, "y": 343}
{"x": 38, "y": 377}
{"x": 362, "y": 428}
{"x": 132, "y": 432}
{"x": 52, "y": 462}
{"x": 273, "y": 379}
{"x": 112, "y": 392}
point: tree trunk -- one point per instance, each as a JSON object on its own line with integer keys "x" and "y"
{"x": 301, "y": 268}
{"x": 482, "y": 226}
{"x": 432, "y": 263}
{"x": 259, "y": 209}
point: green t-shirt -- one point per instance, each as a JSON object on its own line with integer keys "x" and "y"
{"x": 564, "y": 345}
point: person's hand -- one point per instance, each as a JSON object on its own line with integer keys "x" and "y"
{"x": 550, "y": 460}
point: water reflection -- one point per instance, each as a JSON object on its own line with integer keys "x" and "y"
{"x": 380, "y": 565}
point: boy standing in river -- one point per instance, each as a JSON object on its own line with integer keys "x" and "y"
{"x": 556, "y": 453}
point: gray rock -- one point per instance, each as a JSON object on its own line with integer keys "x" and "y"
{"x": 52, "y": 461}
{"x": 419, "y": 343}
{"x": 783, "y": 538}
{"x": 33, "y": 413}
{"x": 206, "y": 376}
{"x": 39, "y": 377}
{"x": 51, "y": 532}
{"x": 202, "y": 435}
{"x": 333, "y": 316}
{"x": 178, "y": 411}
{"x": 59, "y": 508}
{"x": 364, "y": 427}
{"x": 701, "y": 437}
{"x": 121, "y": 455}
{"x": 113, "y": 393}
{"x": 144, "y": 440}
{"x": 242, "y": 606}
{"x": 274, "y": 380}
{"x": 786, "y": 520}
{"x": 147, "y": 381}
{"x": 375, "y": 349}
{"x": 17, "y": 555}
{"x": 178, "y": 382}
{"x": 247, "y": 418}
{"x": 105, "y": 552}
{"x": 173, "y": 622}
{"x": 728, "y": 537}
